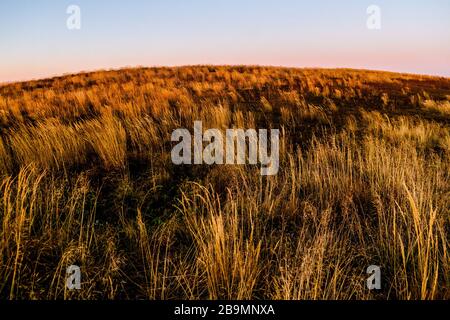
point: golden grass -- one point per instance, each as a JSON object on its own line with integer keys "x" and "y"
{"x": 107, "y": 137}
{"x": 441, "y": 107}
{"x": 86, "y": 179}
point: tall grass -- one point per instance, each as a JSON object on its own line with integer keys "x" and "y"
{"x": 86, "y": 179}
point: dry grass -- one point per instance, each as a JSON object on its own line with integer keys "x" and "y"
{"x": 441, "y": 107}
{"x": 86, "y": 179}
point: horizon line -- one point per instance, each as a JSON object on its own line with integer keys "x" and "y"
{"x": 135, "y": 67}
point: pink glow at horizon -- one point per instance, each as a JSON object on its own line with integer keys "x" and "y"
{"x": 397, "y": 63}
{"x": 414, "y": 37}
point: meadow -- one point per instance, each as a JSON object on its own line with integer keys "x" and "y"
{"x": 86, "y": 178}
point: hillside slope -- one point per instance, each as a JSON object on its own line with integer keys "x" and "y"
{"x": 87, "y": 179}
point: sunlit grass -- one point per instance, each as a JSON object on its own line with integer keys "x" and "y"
{"x": 87, "y": 179}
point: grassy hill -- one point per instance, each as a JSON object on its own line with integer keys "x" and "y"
{"x": 87, "y": 179}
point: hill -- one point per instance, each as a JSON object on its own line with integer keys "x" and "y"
{"x": 87, "y": 179}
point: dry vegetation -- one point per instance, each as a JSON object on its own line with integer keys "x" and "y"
{"x": 86, "y": 179}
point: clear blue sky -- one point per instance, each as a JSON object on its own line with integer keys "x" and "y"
{"x": 35, "y": 42}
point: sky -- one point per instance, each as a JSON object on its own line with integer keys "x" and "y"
{"x": 35, "y": 41}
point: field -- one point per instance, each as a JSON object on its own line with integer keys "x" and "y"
{"x": 87, "y": 179}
